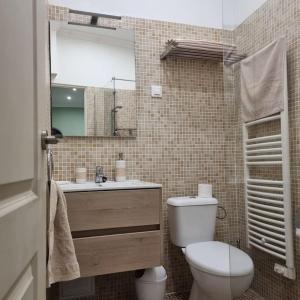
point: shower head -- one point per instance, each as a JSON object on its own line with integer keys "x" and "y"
{"x": 116, "y": 108}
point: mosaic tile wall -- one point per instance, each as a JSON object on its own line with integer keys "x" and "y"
{"x": 181, "y": 138}
{"x": 274, "y": 19}
{"x": 249, "y": 295}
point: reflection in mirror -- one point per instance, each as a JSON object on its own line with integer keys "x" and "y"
{"x": 68, "y": 110}
{"x": 93, "y": 81}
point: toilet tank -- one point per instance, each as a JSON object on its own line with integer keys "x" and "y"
{"x": 191, "y": 219}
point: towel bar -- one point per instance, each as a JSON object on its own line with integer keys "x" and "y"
{"x": 268, "y": 201}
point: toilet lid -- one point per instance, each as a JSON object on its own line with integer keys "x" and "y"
{"x": 219, "y": 259}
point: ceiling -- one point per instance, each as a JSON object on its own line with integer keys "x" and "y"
{"x": 206, "y": 13}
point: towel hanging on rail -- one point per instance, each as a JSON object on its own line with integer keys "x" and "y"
{"x": 267, "y": 181}
{"x": 262, "y": 81}
{"x": 62, "y": 262}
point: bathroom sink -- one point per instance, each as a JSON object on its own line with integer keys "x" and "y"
{"x": 68, "y": 186}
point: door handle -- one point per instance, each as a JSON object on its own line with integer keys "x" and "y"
{"x": 47, "y": 139}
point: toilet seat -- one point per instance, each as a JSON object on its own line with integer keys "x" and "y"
{"x": 218, "y": 258}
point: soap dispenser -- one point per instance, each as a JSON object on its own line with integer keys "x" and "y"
{"x": 121, "y": 168}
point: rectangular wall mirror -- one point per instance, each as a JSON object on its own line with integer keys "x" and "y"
{"x": 92, "y": 81}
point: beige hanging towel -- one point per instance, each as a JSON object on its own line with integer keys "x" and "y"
{"x": 262, "y": 81}
{"x": 62, "y": 262}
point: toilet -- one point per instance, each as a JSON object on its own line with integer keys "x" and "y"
{"x": 220, "y": 271}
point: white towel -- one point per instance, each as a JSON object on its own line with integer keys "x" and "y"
{"x": 262, "y": 81}
{"x": 62, "y": 262}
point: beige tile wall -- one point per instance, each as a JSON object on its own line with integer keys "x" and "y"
{"x": 126, "y": 116}
{"x": 274, "y": 19}
{"x": 181, "y": 138}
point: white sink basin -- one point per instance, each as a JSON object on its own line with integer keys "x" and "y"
{"x": 68, "y": 186}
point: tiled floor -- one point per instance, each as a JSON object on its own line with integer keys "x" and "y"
{"x": 250, "y": 295}
{"x": 176, "y": 297}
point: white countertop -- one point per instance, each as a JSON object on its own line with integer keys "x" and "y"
{"x": 68, "y": 186}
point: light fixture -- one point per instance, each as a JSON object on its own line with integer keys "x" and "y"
{"x": 69, "y": 97}
{"x": 74, "y": 89}
{"x": 94, "y": 19}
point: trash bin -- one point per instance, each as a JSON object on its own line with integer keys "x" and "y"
{"x": 151, "y": 285}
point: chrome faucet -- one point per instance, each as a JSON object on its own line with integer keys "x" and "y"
{"x": 99, "y": 177}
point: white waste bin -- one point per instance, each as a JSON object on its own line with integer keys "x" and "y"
{"x": 152, "y": 284}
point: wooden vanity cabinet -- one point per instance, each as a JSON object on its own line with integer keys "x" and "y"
{"x": 116, "y": 231}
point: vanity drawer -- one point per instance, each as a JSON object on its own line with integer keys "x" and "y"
{"x": 118, "y": 253}
{"x": 113, "y": 209}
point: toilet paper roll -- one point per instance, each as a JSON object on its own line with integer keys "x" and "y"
{"x": 204, "y": 190}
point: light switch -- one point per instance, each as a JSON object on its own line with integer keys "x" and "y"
{"x": 156, "y": 91}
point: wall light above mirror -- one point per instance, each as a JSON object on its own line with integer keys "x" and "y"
{"x": 92, "y": 81}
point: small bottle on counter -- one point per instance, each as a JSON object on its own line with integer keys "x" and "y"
{"x": 81, "y": 175}
{"x": 121, "y": 168}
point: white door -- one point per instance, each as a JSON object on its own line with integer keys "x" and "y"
{"x": 23, "y": 96}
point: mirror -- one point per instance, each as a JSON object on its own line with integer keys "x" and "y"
{"x": 92, "y": 81}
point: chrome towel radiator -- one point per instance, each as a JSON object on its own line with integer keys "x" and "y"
{"x": 268, "y": 201}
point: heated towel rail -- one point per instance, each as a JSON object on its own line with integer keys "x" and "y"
{"x": 268, "y": 201}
